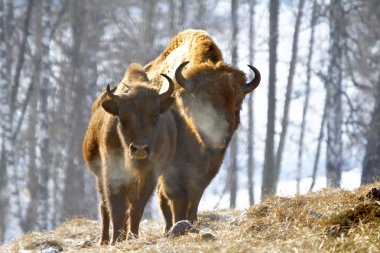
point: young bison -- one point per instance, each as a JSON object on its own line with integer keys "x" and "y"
{"x": 130, "y": 139}
{"x": 208, "y": 101}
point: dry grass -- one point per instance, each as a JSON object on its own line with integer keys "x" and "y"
{"x": 325, "y": 221}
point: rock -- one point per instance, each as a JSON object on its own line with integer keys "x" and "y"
{"x": 206, "y": 234}
{"x": 50, "y": 250}
{"x": 314, "y": 214}
{"x": 182, "y": 227}
{"x": 374, "y": 194}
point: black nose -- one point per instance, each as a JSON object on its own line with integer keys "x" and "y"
{"x": 139, "y": 150}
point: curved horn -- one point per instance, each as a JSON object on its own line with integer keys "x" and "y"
{"x": 170, "y": 89}
{"x": 186, "y": 84}
{"x": 111, "y": 95}
{"x": 250, "y": 86}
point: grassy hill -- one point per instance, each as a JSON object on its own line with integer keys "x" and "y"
{"x": 325, "y": 221}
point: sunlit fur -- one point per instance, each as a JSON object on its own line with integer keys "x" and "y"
{"x": 124, "y": 182}
{"x": 191, "y": 45}
{"x": 207, "y": 117}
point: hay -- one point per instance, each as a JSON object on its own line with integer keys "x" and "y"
{"x": 325, "y": 221}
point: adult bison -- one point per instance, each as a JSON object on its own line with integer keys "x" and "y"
{"x": 208, "y": 94}
{"x": 130, "y": 140}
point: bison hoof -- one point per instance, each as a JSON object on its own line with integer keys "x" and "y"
{"x": 182, "y": 227}
{"x": 103, "y": 242}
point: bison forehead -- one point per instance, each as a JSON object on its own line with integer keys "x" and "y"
{"x": 139, "y": 106}
{"x": 132, "y": 90}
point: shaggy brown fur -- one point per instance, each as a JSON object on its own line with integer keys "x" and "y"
{"x": 209, "y": 113}
{"x": 130, "y": 140}
{"x": 191, "y": 45}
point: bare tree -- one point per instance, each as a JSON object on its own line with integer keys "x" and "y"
{"x": 233, "y": 167}
{"x": 371, "y": 161}
{"x": 251, "y": 126}
{"x": 4, "y": 113}
{"x": 289, "y": 90}
{"x": 8, "y": 105}
{"x": 269, "y": 173}
{"x": 368, "y": 32}
{"x": 74, "y": 181}
{"x": 334, "y": 95}
{"x": 318, "y": 151}
{"x": 43, "y": 140}
{"x": 29, "y": 222}
{"x": 307, "y": 94}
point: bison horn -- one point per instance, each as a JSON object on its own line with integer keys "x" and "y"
{"x": 170, "y": 89}
{"x": 250, "y": 86}
{"x": 111, "y": 95}
{"x": 186, "y": 84}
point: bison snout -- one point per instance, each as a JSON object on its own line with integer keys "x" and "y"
{"x": 139, "y": 151}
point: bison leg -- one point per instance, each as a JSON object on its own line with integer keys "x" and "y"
{"x": 118, "y": 207}
{"x": 192, "y": 214}
{"x": 166, "y": 212}
{"x": 104, "y": 216}
{"x": 138, "y": 204}
{"x": 105, "y": 225}
{"x": 179, "y": 209}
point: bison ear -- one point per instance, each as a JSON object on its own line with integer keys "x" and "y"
{"x": 166, "y": 104}
{"x": 110, "y": 107}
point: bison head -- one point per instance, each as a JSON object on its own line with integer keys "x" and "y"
{"x": 138, "y": 111}
{"x": 212, "y": 96}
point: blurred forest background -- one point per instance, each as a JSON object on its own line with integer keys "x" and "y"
{"x": 317, "y": 108}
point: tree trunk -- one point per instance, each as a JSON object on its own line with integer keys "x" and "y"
{"x": 269, "y": 184}
{"x": 43, "y": 140}
{"x": 8, "y": 107}
{"x": 334, "y": 95}
{"x": 307, "y": 95}
{"x": 73, "y": 196}
{"x": 251, "y": 127}
{"x": 200, "y": 14}
{"x": 233, "y": 170}
{"x": 318, "y": 152}
{"x": 9, "y": 30}
{"x": 148, "y": 30}
{"x": 182, "y": 15}
{"x": 29, "y": 222}
{"x": 289, "y": 91}
{"x": 93, "y": 35}
{"x": 4, "y": 107}
{"x": 172, "y": 18}
{"x": 371, "y": 162}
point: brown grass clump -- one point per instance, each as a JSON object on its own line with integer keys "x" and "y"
{"x": 325, "y": 221}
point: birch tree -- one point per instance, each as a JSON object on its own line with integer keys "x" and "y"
{"x": 289, "y": 91}
{"x": 269, "y": 173}
{"x": 251, "y": 126}
{"x": 233, "y": 167}
{"x": 307, "y": 95}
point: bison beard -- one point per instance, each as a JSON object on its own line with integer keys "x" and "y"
{"x": 207, "y": 113}
{"x": 125, "y": 157}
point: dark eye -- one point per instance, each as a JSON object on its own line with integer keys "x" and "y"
{"x": 156, "y": 117}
